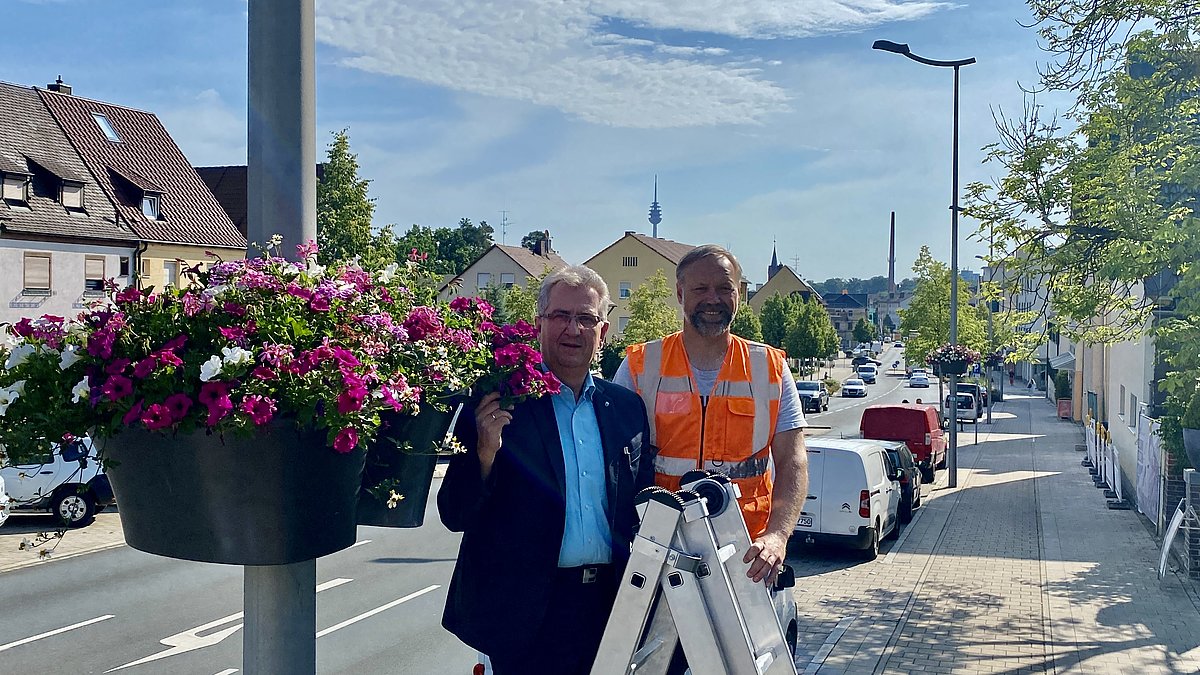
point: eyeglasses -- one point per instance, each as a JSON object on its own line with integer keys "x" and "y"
{"x": 585, "y": 321}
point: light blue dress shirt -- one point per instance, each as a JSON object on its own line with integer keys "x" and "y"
{"x": 587, "y": 537}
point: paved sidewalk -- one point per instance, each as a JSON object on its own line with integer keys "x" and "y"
{"x": 1021, "y": 569}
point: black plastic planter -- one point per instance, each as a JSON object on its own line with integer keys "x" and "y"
{"x": 1191, "y": 445}
{"x": 402, "y": 460}
{"x": 279, "y": 497}
{"x": 951, "y": 368}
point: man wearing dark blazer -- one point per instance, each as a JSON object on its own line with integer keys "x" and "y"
{"x": 544, "y": 499}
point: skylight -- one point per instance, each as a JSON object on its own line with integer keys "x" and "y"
{"x": 106, "y": 127}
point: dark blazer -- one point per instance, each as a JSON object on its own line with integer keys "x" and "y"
{"x": 512, "y": 524}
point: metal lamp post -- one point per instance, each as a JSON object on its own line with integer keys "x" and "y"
{"x": 896, "y": 48}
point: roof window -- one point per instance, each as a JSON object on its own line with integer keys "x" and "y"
{"x": 109, "y": 132}
{"x": 150, "y": 206}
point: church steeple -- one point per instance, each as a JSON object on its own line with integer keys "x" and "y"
{"x": 655, "y": 211}
{"x": 775, "y": 266}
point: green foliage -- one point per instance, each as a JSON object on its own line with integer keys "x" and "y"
{"x": 926, "y": 322}
{"x": 862, "y": 331}
{"x": 1191, "y": 415}
{"x": 531, "y": 240}
{"x": 876, "y": 284}
{"x": 832, "y": 385}
{"x": 746, "y": 324}
{"x": 651, "y": 315}
{"x": 344, "y": 212}
{"x": 611, "y": 356}
{"x": 810, "y": 333}
{"x": 774, "y": 319}
{"x": 1062, "y": 385}
{"x": 451, "y": 249}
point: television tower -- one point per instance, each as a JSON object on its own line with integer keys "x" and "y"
{"x": 655, "y": 210}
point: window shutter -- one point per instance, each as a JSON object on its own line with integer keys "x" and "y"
{"x": 37, "y": 271}
{"x": 72, "y": 195}
{"x": 93, "y": 268}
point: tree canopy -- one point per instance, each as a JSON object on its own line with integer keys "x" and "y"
{"x": 345, "y": 212}
{"x": 746, "y": 324}
{"x": 651, "y": 315}
{"x": 450, "y": 249}
{"x": 531, "y": 240}
{"x": 926, "y": 322}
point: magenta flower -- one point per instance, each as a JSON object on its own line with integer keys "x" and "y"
{"x": 260, "y": 408}
{"x": 179, "y": 405}
{"x": 116, "y": 366}
{"x": 351, "y": 400}
{"x": 423, "y": 322}
{"x": 263, "y": 373}
{"x": 144, "y": 367}
{"x": 134, "y": 414}
{"x": 23, "y": 328}
{"x": 234, "y": 309}
{"x": 117, "y": 387}
{"x": 157, "y": 416}
{"x": 306, "y": 250}
{"x": 346, "y": 440}
{"x": 167, "y": 358}
{"x": 100, "y": 344}
{"x": 319, "y": 303}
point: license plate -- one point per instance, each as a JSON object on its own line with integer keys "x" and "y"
{"x": 805, "y": 521}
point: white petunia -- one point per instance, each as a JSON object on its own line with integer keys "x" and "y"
{"x": 388, "y": 273}
{"x": 236, "y": 356}
{"x": 81, "y": 391}
{"x": 210, "y": 368}
{"x": 18, "y": 355}
{"x": 7, "y": 396}
{"x": 18, "y": 387}
{"x": 314, "y": 269}
{"x": 68, "y": 358}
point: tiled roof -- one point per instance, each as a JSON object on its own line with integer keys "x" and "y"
{"x": 846, "y": 300}
{"x": 147, "y": 157}
{"x": 671, "y": 250}
{"x": 31, "y": 142}
{"x": 531, "y": 262}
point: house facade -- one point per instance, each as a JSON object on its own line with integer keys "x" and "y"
{"x": 502, "y": 266}
{"x": 627, "y": 263}
{"x": 60, "y": 237}
{"x": 785, "y": 282}
{"x": 150, "y": 184}
{"x": 845, "y": 309}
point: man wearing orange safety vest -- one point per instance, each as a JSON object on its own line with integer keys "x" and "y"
{"x": 725, "y": 404}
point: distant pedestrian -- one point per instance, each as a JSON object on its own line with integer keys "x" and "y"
{"x": 1012, "y": 376}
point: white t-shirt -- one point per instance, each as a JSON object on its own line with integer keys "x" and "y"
{"x": 791, "y": 413}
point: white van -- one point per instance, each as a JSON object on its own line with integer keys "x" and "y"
{"x": 853, "y": 494}
{"x": 867, "y": 372}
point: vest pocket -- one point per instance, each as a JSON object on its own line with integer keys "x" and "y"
{"x": 738, "y": 434}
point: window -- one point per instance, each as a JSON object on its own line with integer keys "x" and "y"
{"x": 72, "y": 195}
{"x": 37, "y": 274}
{"x": 150, "y": 206}
{"x": 15, "y": 188}
{"x": 1121, "y": 402}
{"x": 625, "y": 290}
{"x": 171, "y": 273}
{"x": 124, "y": 266}
{"x": 483, "y": 280}
{"x": 629, "y": 261}
{"x": 93, "y": 274}
{"x": 622, "y": 322}
{"x": 508, "y": 279}
{"x": 109, "y": 132}
{"x": 1133, "y": 411}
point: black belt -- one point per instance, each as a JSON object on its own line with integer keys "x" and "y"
{"x": 586, "y": 574}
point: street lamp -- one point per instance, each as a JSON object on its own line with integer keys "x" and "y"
{"x": 896, "y": 48}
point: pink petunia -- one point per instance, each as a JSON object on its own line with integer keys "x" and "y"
{"x": 117, "y": 387}
{"x": 264, "y": 373}
{"x": 179, "y": 405}
{"x": 260, "y": 408}
{"x": 144, "y": 367}
{"x": 346, "y": 440}
{"x": 319, "y": 303}
{"x": 157, "y": 416}
{"x": 116, "y": 366}
{"x": 134, "y": 414}
{"x": 351, "y": 400}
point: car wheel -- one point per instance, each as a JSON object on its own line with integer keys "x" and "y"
{"x": 872, "y": 550}
{"x": 905, "y": 513}
{"x": 73, "y": 508}
{"x": 825, "y": 407}
{"x": 790, "y": 637}
{"x": 927, "y": 474}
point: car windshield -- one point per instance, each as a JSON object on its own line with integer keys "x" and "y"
{"x": 853, "y": 382}
{"x": 808, "y": 386}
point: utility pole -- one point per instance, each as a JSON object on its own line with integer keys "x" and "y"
{"x": 504, "y": 227}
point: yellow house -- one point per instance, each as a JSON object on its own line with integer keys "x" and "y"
{"x": 502, "y": 266}
{"x": 785, "y": 282}
{"x": 627, "y": 263}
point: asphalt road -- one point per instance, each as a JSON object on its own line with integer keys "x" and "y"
{"x": 379, "y": 603}
{"x": 379, "y": 608}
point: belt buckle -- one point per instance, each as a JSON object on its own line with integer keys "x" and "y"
{"x": 590, "y": 574}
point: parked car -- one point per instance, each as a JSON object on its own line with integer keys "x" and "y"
{"x": 979, "y": 392}
{"x": 4, "y": 502}
{"x": 814, "y": 396}
{"x": 867, "y": 372}
{"x": 910, "y": 477}
{"x": 852, "y": 499}
{"x": 917, "y": 425}
{"x": 963, "y": 405}
{"x": 68, "y": 483}
{"x": 863, "y": 358}
{"x": 898, "y": 344}
{"x": 918, "y": 380}
{"x": 854, "y": 387}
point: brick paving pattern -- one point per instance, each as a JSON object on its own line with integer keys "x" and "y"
{"x": 1021, "y": 569}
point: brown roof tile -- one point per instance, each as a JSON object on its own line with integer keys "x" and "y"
{"x": 531, "y": 262}
{"x": 228, "y": 185}
{"x": 148, "y": 158}
{"x": 31, "y": 142}
{"x": 671, "y": 250}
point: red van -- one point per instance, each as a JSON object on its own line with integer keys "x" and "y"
{"x": 916, "y": 425}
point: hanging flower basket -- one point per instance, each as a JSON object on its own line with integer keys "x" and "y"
{"x": 274, "y": 498}
{"x": 952, "y": 367}
{"x": 952, "y": 359}
{"x": 400, "y": 465}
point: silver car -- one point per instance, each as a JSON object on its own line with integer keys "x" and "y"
{"x": 854, "y": 387}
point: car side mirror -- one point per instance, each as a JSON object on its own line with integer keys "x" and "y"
{"x": 786, "y": 578}
{"x": 73, "y": 451}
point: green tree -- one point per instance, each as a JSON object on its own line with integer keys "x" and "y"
{"x": 774, "y": 319}
{"x": 344, "y": 212}
{"x": 926, "y": 322}
{"x": 451, "y": 249}
{"x": 651, "y": 315}
{"x": 531, "y": 240}
{"x": 862, "y": 331}
{"x": 521, "y": 302}
{"x": 810, "y": 333}
{"x": 746, "y": 324}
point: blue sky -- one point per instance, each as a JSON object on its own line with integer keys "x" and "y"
{"x": 764, "y": 119}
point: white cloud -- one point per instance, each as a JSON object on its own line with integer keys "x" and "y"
{"x": 562, "y": 55}
{"x": 206, "y": 128}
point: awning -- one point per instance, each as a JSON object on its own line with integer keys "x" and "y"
{"x": 1063, "y": 361}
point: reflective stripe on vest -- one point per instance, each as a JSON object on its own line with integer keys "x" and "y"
{"x": 648, "y": 382}
{"x": 753, "y": 467}
{"x": 760, "y": 372}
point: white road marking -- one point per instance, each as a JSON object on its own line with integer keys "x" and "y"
{"x": 382, "y": 608}
{"x": 228, "y": 671}
{"x": 191, "y": 640}
{"x": 56, "y": 631}
{"x": 359, "y": 543}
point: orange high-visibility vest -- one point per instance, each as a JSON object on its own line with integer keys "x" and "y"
{"x": 730, "y": 434}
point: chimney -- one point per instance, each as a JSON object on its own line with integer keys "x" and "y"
{"x": 59, "y": 86}
{"x": 544, "y": 245}
{"x": 892, "y": 258}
